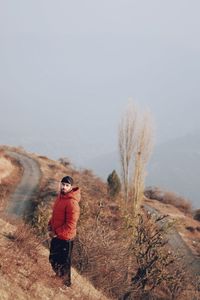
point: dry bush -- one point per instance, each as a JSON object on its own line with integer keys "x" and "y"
{"x": 103, "y": 258}
{"x": 154, "y": 193}
{"x": 53, "y": 167}
{"x": 158, "y": 269}
{"x": 190, "y": 228}
{"x": 179, "y": 202}
{"x": 8, "y": 184}
{"x": 87, "y": 173}
{"x": 100, "y": 251}
{"x": 105, "y": 249}
{"x": 123, "y": 262}
{"x": 196, "y": 215}
{"x": 65, "y": 161}
{"x": 41, "y": 218}
{"x": 23, "y": 266}
{"x": 171, "y": 198}
{"x": 43, "y": 157}
{"x": 39, "y": 212}
{"x": 4, "y": 191}
{"x": 20, "y": 255}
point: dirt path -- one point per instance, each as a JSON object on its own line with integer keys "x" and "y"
{"x": 20, "y": 199}
{"x": 192, "y": 262}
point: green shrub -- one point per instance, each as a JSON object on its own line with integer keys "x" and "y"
{"x": 114, "y": 184}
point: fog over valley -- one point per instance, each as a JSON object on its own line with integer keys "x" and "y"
{"x": 69, "y": 68}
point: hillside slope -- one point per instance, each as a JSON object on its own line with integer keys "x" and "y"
{"x": 25, "y": 272}
{"x": 101, "y": 233}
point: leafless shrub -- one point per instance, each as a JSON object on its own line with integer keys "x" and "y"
{"x": 65, "y": 161}
{"x": 21, "y": 263}
{"x": 180, "y": 202}
{"x": 87, "y": 172}
{"x": 156, "y": 265}
{"x": 153, "y": 192}
{"x": 126, "y": 261}
{"x": 103, "y": 258}
{"x": 53, "y": 166}
{"x": 8, "y": 184}
{"x": 171, "y": 198}
{"x": 22, "y": 249}
{"x": 196, "y": 214}
{"x": 4, "y": 190}
{"x": 39, "y": 211}
{"x": 190, "y": 228}
{"x": 108, "y": 253}
{"x": 41, "y": 217}
{"x": 43, "y": 157}
{"x": 24, "y": 239}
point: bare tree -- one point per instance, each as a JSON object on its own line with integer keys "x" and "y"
{"x": 143, "y": 149}
{"x": 127, "y": 142}
{"x": 135, "y": 145}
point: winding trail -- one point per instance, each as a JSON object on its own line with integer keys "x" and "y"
{"x": 178, "y": 245}
{"x": 20, "y": 200}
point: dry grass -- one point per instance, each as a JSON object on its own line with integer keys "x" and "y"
{"x": 19, "y": 260}
{"x": 8, "y": 183}
{"x": 102, "y": 249}
{"x": 20, "y": 264}
{"x": 107, "y": 254}
{"x": 183, "y": 223}
{"x": 6, "y": 166}
{"x": 171, "y": 198}
{"x": 196, "y": 215}
{"x": 22, "y": 246}
{"x": 24, "y": 264}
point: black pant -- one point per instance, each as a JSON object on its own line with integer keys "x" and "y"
{"x": 60, "y": 258}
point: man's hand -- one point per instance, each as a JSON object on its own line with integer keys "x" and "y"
{"x": 52, "y": 234}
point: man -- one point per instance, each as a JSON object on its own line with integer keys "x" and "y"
{"x": 62, "y": 228}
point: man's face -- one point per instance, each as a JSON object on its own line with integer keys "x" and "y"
{"x": 65, "y": 187}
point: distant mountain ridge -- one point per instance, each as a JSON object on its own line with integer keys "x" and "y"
{"x": 174, "y": 165}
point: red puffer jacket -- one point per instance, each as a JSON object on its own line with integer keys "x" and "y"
{"x": 65, "y": 214}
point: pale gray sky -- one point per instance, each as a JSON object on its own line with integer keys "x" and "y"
{"x": 67, "y": 69}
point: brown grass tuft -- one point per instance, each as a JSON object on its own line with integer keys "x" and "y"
{"x": 171, "y": 198}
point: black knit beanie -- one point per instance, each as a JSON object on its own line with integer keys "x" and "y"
{"x": 67, "y": 179}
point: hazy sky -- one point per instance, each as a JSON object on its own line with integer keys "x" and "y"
{"x": 67, "y": 69}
